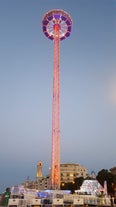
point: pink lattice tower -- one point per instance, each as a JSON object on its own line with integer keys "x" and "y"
{"x": 56, "y": 26}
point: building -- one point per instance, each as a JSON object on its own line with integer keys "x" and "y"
{"x": 42, "y": 183}
{"x": 39, "y": 170}
{"x": 70, "y": 171}
{"x": 113, "y": 170}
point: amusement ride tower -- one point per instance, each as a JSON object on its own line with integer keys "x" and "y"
{"x": 56, "y": 26}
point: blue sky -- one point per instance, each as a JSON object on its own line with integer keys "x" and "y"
{"x": 87, "y": 87}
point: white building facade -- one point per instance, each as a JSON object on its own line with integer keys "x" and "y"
{"x": 70, "y": 171}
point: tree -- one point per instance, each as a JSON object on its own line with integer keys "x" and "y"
{"x": 105, "y": 175}
{"x": 78, "y": 182}
{"x": 68, "y": 186}
{"x": 72, "y": 186}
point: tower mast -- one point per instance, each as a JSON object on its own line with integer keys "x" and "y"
{"x": 55, "y": 170}
{"x": 56, "y": 26}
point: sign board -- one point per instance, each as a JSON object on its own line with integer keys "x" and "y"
{"x": 57, "y": 201}
{"x": 36, "y": 202}
{"x": 78, "y": 201}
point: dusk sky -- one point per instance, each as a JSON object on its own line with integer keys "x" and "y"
{"x": 87, "y": 87}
